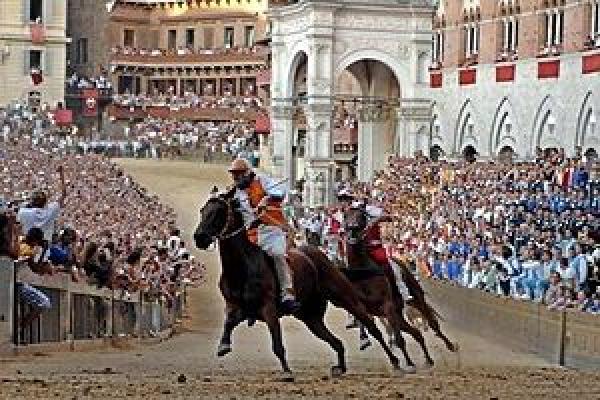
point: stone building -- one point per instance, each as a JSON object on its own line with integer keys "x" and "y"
{"x": 511, "y": 76}
{"x": 32, "y": 37}
{"x": 172, "y": 47}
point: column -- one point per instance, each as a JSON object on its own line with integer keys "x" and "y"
{"x": 476, "y": 39}
{"x": 319, "y": 154}
{"x": 548, "y": 29}
{"x": 594, "y": 15}
{"x": 505, "y": 42}
{"x": 468, "y": 43}
{"x": 238, "y": 87}
{"x": 557, "y": 40}
{"x": 371, "y": 144}
{"x": 218, "y": 90}
{"x": 513, "y": 43}
{"x": 282, "y": 131}
{"x": 434, "y": 47}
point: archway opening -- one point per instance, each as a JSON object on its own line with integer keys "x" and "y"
{"x": 470, "y": 154}
{"x": 366, "y": 95}
{"x": 299, "y": 92}
{"x": 436, "y": 152}
{"x": 591, "y": 154}
{"x": 506, "y": 154}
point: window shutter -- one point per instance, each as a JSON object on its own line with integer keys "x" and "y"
{"x": 47, "y": 60}
{"x": 26, "y": 68}
{"x": 25, "y": 11}
{"x": 48, "y": 11}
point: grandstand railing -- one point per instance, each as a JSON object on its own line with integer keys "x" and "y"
{"x": 566, "y": 338}
{"x": 79, "y": 312}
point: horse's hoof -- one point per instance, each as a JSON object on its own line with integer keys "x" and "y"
{"x": 337, "y": 371}
{"x": 287, "y": 377}
{"x": 453, "y": 347}
{"x": 410, "y": 369}
{"x": 223, "y": 349}
{"x": 364, "y": 344}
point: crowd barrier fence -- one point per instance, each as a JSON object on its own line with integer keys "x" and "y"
{"x": 568, "y": 337}
{"x": 80, "y": 312}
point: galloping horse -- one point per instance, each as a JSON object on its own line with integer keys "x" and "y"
{"x": 248, "y": 284}
{"x": 379, "y": 285}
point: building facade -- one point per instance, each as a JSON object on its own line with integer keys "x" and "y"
{"x": 32, "y": 38}
{"x": 514, "y": 76}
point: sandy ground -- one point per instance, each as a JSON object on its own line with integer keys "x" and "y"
{"x": 186, "y": 366}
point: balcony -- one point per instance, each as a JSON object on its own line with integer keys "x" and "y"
{"x": 507, "y": 56}
{"x": 592, "y": 42}
{"x": 37, "y": 33}
{"x": 187, "y": 58}
{"x": 470, "y": 60}
{"x": 550, "y": 51}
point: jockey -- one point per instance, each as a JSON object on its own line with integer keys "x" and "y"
{"x": 377, "y": 251}
{"x": 260, "y": 202}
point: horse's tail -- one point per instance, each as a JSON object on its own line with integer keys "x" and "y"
{"x": 416, "y": 291}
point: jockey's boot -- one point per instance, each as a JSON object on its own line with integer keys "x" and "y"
{"x": 284, "y": 275}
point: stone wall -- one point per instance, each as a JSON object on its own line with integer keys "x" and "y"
{"x": 79, "y": 312}
{"x": 522, "y": 326}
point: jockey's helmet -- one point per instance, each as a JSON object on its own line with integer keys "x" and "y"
{"x": 241, "y": 172}
{"x": 239, "y": 165}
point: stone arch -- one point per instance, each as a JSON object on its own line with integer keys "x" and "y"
{"x": 546, "y": 126}
{"x": 400, "y": 70}
{"x": 437, "y": 130}
{"x": 464, "y": 132}
{"x": 300, "y": 53}
{"x": 587, "y": 123}
{"x": 504, "y": 126}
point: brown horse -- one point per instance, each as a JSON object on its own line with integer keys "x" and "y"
{"x": 248, "y": 284}
{"x": 378, "y": 285}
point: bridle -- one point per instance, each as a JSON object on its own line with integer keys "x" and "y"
{"x": 222, "y": 234}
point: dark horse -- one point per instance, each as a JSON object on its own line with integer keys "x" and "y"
{"x": 378, "y": 285}
{"x": 248, "y": 284}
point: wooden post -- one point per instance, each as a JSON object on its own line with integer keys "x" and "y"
{"x": 563, "y": 338}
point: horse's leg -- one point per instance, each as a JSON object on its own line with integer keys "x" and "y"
{"x": 320, "y": 330}
{"x": 393, "y": 318}
{"x": 401, "y": 325}
{"x": 270, "y": 316}
{"x": 365, "y": 342}
{"x": 434, "y": 324}
{"x": 233, "y": 318}
{"x": 347, "y": 300}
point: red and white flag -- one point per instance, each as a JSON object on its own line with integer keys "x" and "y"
{"x": 36, "y": 76}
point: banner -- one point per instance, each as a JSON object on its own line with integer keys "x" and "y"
{"x": 36, "y": 76}
{"x": 38, "y": 33}
{"x": 263, "y": 124}
{"x": 90, "y": 102}
{"x": 63, "y": 117}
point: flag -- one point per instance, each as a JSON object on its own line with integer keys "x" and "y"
{"x": 90, "y": 102}
{"x": 36, "y": 76}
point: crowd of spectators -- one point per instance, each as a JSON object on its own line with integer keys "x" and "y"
{"x": 527, "y": 229}
{"x": 102, "y": 228}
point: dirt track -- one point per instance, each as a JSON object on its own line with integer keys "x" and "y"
{"x": 481, "y": 370}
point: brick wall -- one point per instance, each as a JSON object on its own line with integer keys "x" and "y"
{"x": 531, "y": 29}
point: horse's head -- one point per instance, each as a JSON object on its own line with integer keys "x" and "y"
{"x": 356, "y": 222}
{"x": 216, "y": 218}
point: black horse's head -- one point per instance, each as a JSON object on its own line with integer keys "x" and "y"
{"x": 356, "y": 222}
{"x": 215, "y": 219}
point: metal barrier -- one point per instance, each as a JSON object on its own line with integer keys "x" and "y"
{"x": 79, "y": 311}
{"x": 567, "y": 338}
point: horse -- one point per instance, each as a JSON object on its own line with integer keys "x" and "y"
{"x": 378, "y": 284}
{"x": 249, "y": 285}
{"x": 419, "y": 302}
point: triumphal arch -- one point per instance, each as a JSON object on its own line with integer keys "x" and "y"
{"x": 357, "y": 60}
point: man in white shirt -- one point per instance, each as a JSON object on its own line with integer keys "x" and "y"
{"x": 40, "y": 213}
